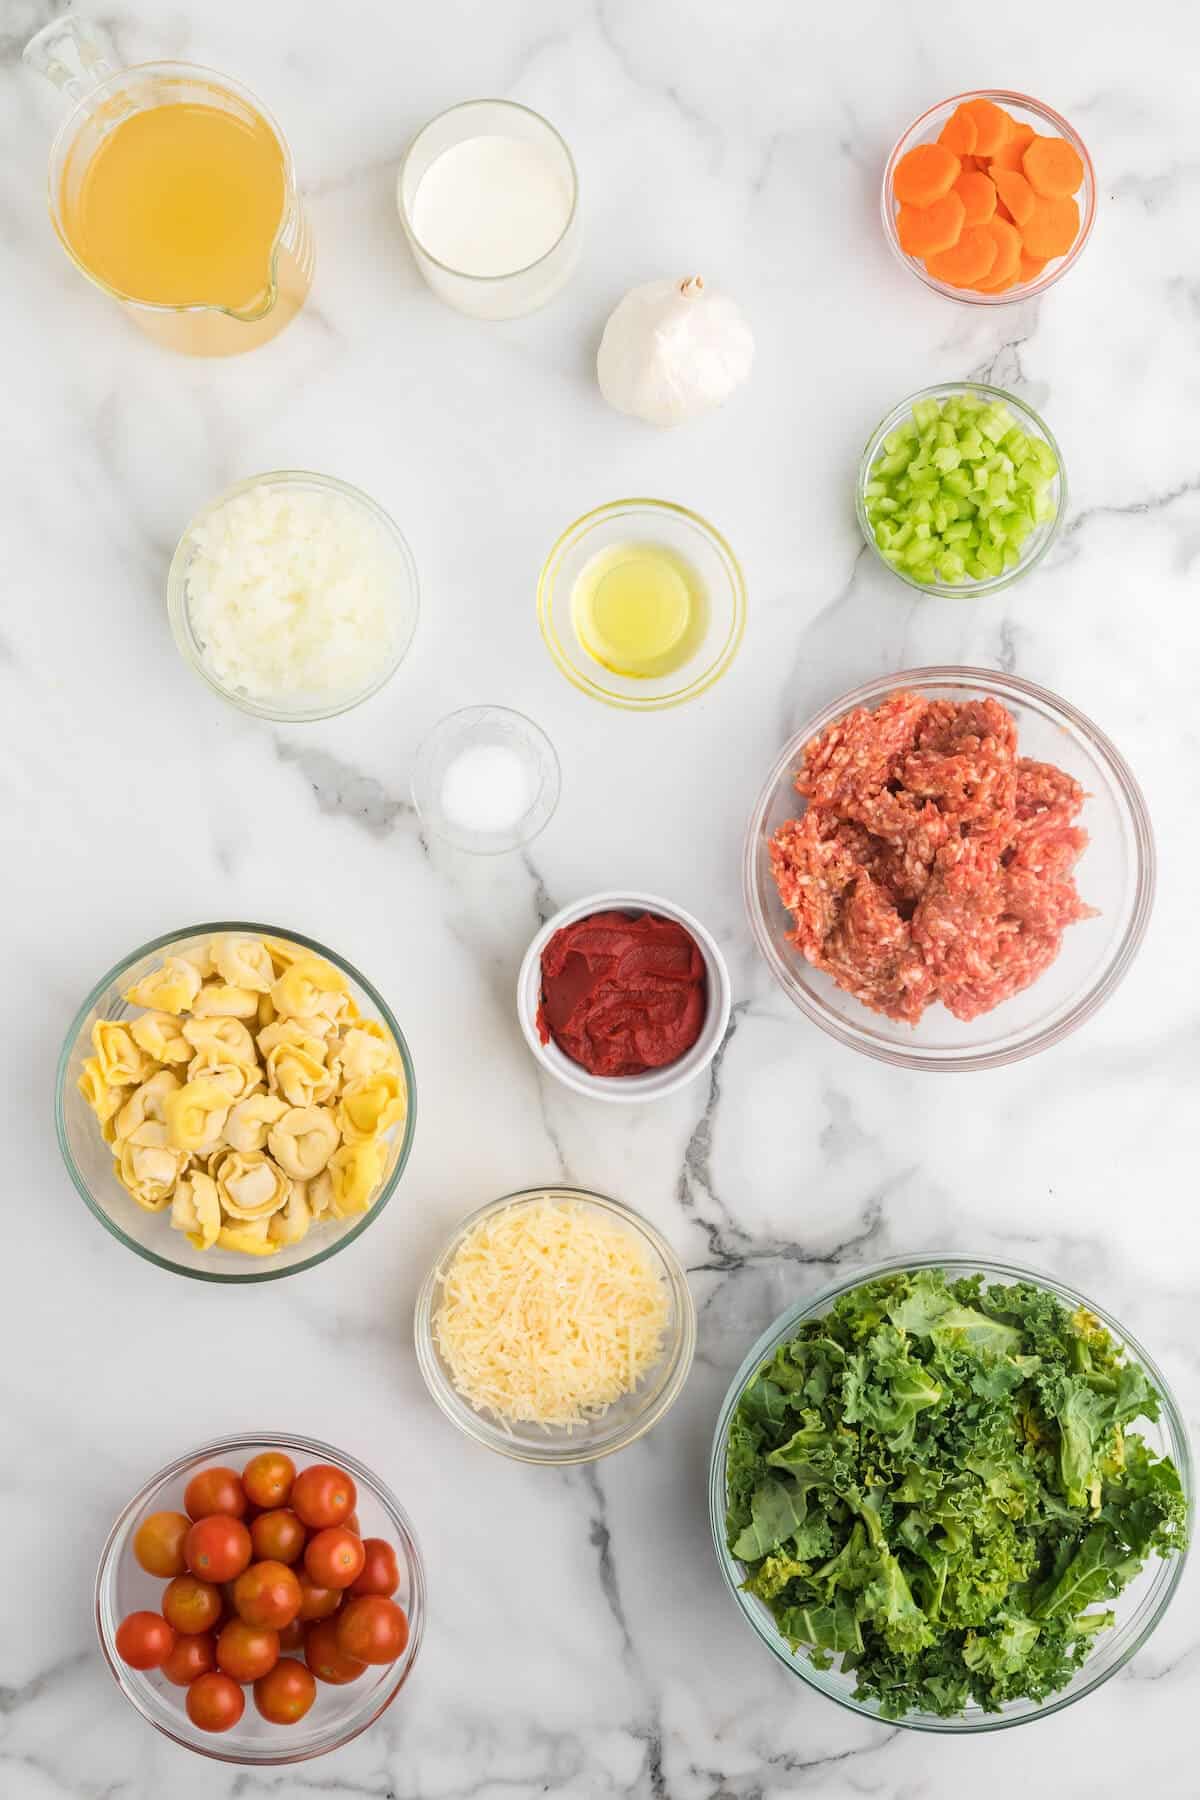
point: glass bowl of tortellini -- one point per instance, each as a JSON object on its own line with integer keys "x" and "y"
{"x": 235, "y": 1102}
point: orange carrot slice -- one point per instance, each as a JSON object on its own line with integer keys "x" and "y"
{"x": 1003, "y": 271}
{"x": 958, "y": 133}
{"x": 924, "y": 230}
{"x": 1052, "y": 167}
{"x": 1016, "y": 193}
{"x": 1031, "y": 266}
{"x": 1052, "y": 227}
{"x": 1009, "y": 155}
{"x": 977, "y": 195}
{"x": 924, "y": 174}
{"x": 969, "y": 260}
{"x": 992, "y": 125}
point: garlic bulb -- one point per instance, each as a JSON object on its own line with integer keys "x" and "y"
{"x": 672, "y": 350}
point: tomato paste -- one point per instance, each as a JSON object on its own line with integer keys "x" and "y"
{"x": 933, "y": 862}
{"x": 622, "y": 994}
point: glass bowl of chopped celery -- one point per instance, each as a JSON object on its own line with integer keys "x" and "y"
{"x": 961, "y": 489}
{"x": 951, "y": 1493}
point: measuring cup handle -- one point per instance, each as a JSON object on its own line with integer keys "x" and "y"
{"x": 73, "y": 54}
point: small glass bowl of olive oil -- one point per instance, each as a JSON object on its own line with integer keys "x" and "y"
{"x": 642, "y": 604}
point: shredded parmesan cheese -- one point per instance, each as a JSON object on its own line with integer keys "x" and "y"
{"x": 549, "y": 1313}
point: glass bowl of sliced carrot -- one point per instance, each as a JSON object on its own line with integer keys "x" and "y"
{"x": 989, "y": 197}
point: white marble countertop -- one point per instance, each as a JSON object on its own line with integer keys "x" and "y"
{"x": 580, "y": 1641}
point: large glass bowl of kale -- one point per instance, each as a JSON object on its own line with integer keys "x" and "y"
{"x": 951, "y": 1493}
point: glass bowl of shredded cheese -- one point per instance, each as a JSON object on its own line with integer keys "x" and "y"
{"x": 293, "y": 595}
{"x": 555, "y": 1327}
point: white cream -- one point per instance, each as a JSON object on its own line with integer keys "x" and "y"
{"x": 491, "y": 205}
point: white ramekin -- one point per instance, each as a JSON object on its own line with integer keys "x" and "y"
{"x": 655, "y": 1083}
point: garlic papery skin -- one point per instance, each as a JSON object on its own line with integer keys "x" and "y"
{"x": 673, "y": 350}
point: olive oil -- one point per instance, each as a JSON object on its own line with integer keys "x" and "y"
{"x": 640, "y": 610}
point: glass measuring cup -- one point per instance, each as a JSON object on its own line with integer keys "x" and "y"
{"x": 74, "y": 57}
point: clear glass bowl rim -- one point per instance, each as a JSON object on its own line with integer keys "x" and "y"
{"x": 1168, "y": 1575}
{"x": 561, "y": 1454}
{"x": 222, "y": 1449}
{"x": 177, "y": 607}
{"x": 1042, "y": 538}
{"x": 545, "y": 604}
{"x": 256, "y": 1273}
{"x": 406, "y": 217}
{"x": 1046, "y": 114}
{"x": 536, "y": 733}
{"x": 1002, "y": 686}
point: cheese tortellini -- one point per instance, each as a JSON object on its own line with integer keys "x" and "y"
{"x": 249, "y": 1100}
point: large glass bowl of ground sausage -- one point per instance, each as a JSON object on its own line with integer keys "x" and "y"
{"x": 974, "y": 881}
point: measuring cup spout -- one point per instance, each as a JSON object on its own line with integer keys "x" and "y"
{"x": 74, "y": 54}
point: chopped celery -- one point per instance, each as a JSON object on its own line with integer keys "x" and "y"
{"x": 926, "y": 413}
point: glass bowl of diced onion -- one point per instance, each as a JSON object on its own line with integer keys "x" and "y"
{"x": 945, "y": 438}
{"x": 621, "y": 1423}
{"x": 89, "y": 1157}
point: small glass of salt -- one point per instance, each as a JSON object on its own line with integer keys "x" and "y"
{"x": 486, "y": 779}
{"x": 489, "y": 199}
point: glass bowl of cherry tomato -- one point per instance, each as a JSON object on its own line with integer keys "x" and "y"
{"x": 262, "y": 1599}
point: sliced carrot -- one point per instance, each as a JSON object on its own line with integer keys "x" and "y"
{"x": 924, "y": 174}
{"x": 1008, "y": 156}
{"x": 1002, "y": 211}
{"x": 1031, "y": 266}
{"x": 977, "y": 195}
{"x": 1052, "y": 167}
{"x": 924, "y": 230}
{"x": 1052, "y": 227}
{"x": 958, "y": 133}
{"x": 969, "y": 261}
{"x": 1016, "y": 194}
{"x": 992, "y": 125}
{"x": 1008, "y": 256}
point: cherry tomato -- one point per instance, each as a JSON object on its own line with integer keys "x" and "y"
{"x": 192, "y": 1657}
{"x": 323, "y": 1496}
{"x": 316, "y": 1602}
{"x": 191, "y": 1605}
{"x": 247, "y": 1651}
{"x": 325, "y": 1659}
{"x": 218, "y": 1548}
{"x": 334, "y": 1558}
{"x": 371, "y": 1629}
{"x": 278, "y": 1536}
{"x": 292, "y": 1637}
{"x": 215, "y": 1702}
{"x": 285, "y": 1695}
{"x": 353, "y": 1525}
{"x": 215, "y": 1491}
{"x": 158, "y": 1543}
{"x": 380, "y": 1571}
{"x": 144, "y": 1640}
{"x": 267, "y": 1479}
{"x": 267, "y": 1594}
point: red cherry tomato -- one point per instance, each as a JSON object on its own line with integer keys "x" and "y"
{"x": 192, "y": 1657}
{"x": 268, "y": 1593}
{"x": 334, "y": 1558}
{"x": 158, "y": 1543}
{"x": 380, "y": 1570}
{"x": 191, "y": 1605}
{"x": 316, "y": 1602}
{"x": 267, "y": 1479}
{"x": 353, "y": 1525}
{"x": 292, "y": 1638}
{"x": 371, "y": 1629}
{"x": 278, "y": 1536}
{"x": 285, "y": 1695}
{"x": 215, "y": 1491}
{"x": 247, "y": 1651}
{"x": 323, "y": 1496}
{"x": 215, "y": 1702}
{"x": 144, "y": 1640}
{"x": 218, "y": 1548}
{"x": 325, "y": 1659}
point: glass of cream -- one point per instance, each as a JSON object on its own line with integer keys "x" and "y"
{"x": 489, "y": 199}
